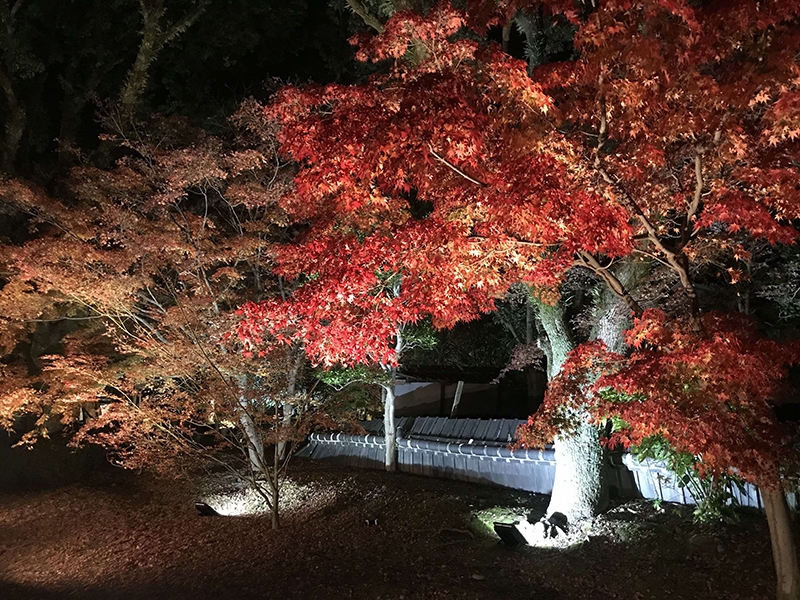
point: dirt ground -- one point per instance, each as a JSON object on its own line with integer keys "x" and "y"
{"x": 132, "y": 536}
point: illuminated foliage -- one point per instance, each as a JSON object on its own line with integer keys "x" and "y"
{"x": 462, "y": 175}
{"x": 709, "y": 396}
{"x": 149, "y": 260}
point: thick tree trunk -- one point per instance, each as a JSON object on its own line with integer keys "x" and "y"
{"x": 784, "y": 548}
{"x": 507, "y": 36}
{"x": 71, "y": 108}
{"x": 578, "y": 489}
{"x": 390, "y": 433}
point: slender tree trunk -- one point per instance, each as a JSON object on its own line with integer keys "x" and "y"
{"x": 136, "y": 81}
{"x": 255, "y": 443}
{"x": 156, "y": 34}
{"x": 286, "y": 424}
{"x": 784, "y": 548}
{"x": 276, "y": 520}
{"x": 291, "y": 389}
{"x": 389, "y": 430}
{"x": 578, "y": 489}
{"x": 276, "y": 480}
{"x": 457, "y": 399}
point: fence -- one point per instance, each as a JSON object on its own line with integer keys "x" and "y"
{"x": 476, "y": 450}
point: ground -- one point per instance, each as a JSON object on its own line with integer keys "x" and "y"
{"x": 135, "y": 537}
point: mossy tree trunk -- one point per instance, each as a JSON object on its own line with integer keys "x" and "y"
{"x": 156, "y": 34}
{"x": 578, "y": 490}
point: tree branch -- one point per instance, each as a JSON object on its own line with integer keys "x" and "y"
{"x": 602, "y": 132}
{"x": 677, "y": 262}
{"x": 184, "y": 22}
{"x": 455, "y": 168}
{"x": 362, "y": 11}
{"x": 686, "y": 232}
{"x": 15, "y": 7}
{"x": 614, "y": 284}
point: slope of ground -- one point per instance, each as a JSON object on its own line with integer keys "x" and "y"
{"x": 136, "y": 537}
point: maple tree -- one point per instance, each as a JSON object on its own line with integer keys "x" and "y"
{"x": 152, "y": 257}
{"x": 691, "y": 130}
{"x": 672, "y": 139}
{"x": 709, "y": 396}
{"x": 427, "y": 192}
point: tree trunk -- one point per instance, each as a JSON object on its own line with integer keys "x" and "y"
{"x": 136, "y": 80}
{"x": 533, "y": 376}
{"x": 390, "y": 433}
{"x": 531, "y": 22}
{"x": 284, "y": 447}
{"x": 784, "y": 548}
{"x": 457, "y": 399}
{"x": 275, "y": 483}
{"x": 71, "y": 108}
{"x": 156, "y": 34}
{"x": 14, "y": 123}
{"x": 507, "y": 36}
{"x": 255, "y": 443}
{"x": 578, "y": 489}
{"x": 285, "y": 425}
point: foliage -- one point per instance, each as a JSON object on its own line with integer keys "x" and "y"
{"x": 155, "y": 253}
{"x": 523, "y": 356}
{"x": 357, "y": 192}
{"x": 525, "y": 177}
{"x": 712, "y": 494}
{"x": 708, "y": 396}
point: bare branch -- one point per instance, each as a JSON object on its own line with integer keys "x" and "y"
{"x": 614, "y": 284}
{"x": 184, "y": 22}
{"x": 686, "y": 230}
{"x": 17, "y": 5}
{"x": 455, "y": 168}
